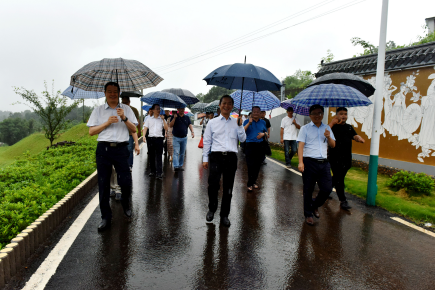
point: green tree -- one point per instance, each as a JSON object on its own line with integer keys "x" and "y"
{"x": 215, "y": 93}
{"x": 328, "y": 58}
{"x": 200, "y": 97}
{"x": 53, "y": 113}
{"x": 300, "y": 79}
{"x": 13, "y": 130}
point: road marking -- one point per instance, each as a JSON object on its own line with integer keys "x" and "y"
{"x": 413, "y": 226}
{"x": 282, "y": 165}
{"x": 48, "y": 268}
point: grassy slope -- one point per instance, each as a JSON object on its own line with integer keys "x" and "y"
{"x": 419, "y": 209}
{"x": 35, "y": 143}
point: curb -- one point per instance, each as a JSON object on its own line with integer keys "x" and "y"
{"x": 14, "y": 255}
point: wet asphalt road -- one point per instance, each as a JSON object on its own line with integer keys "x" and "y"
{"x": 168, "y": 245}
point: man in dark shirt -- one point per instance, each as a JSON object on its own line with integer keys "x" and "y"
{"x": 340, "y": 157}
{"x": 263, "y": 117}
{"x": 179, "y": 124}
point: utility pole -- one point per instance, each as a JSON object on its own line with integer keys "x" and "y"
{"x": 141, "y": 110}
{"x": 372, "y": 187}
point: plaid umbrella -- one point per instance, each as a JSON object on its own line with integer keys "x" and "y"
{"x": 131, "y": 75}
{"x": 264, "y": 99}
{"x": 185, "y": 95}
{"x": 198, "y": 107}
{"x": 165, "y": 100}
{"x": 213, "y": 106}
{"x": 305, "y": 111}
{"x": 347, "y": 79}
{"x": 331, "y": 95}
{"x": 78, "y": 94}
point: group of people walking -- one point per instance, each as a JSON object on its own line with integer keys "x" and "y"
{"x": 116, "y": 125}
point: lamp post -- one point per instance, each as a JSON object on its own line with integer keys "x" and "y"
{"x": 372, "y": 187}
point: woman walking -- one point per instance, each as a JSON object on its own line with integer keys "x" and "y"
{"x": 255, "y": 132}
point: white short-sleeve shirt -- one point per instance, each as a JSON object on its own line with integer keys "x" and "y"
{"x": 115, "y": 132}
{"x": 290, "y": 130}
{"x": 155, "y": 126}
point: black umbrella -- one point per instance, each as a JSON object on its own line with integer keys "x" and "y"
{"x": 346, "y": 79}
{"x": 185, "y": 95}
{"x": 134, "y": 94}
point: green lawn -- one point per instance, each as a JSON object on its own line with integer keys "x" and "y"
{"x": 420, "y": 209}
{"x": 36, "y": 142}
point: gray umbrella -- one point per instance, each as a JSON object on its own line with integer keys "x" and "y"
{"x": 198, "y": 107}
{"x": 213, "y": 106}
{"x": 347, "y": 79}
{"x": 185, "y": 95}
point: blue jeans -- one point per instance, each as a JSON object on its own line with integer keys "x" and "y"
{"x": 130, "y": 150}
{"x": 290, "y": 149}
{"x": 179, "y": 145}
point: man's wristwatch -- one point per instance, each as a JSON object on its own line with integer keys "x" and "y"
{"x": 125, "y": 120}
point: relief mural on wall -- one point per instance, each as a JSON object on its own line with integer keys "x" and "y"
{"x": 414, "y": 123}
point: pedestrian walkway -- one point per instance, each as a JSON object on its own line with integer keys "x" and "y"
{"x": 168, "y": 245}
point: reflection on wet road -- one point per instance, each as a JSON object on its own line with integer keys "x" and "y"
{"x": 168, "y": 245}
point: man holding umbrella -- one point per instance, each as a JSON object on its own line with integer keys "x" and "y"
{"x": 112, "y": 122}
{"x": 314, "y": 139}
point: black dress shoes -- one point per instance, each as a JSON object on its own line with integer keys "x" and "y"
{"x": 209, "y": 216}
{"x": 104, "y": 225}
{"x": 127, "y": 212}
{"x": 225, "y": 222}
{"x": 345, "y": 205}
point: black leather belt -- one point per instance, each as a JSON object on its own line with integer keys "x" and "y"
{"x": 321, "y": 161}
{"x": 114, "y": 144}
{"x": 223, "y": 153}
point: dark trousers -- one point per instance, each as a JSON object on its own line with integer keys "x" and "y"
{"x": 130, "y": 150}
{"x": 118, "y": 157}
{"x": 319, "y": 173}
{"x": 339, "y": 170}
{"x": 226, "y": 166}
{"x": 254, "y": 157}
{"x": 155, "y": 150}
{"x": 290, "y": 149}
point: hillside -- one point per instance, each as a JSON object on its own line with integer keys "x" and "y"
{"x": 35, "y": 143}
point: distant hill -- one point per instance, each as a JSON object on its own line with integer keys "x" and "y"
{"x": 35, "y": 143}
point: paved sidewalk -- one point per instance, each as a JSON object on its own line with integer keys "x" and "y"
{"x": 168, "y": 245}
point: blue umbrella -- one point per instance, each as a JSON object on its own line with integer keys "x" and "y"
{"x": 189, "y": 114}
{"x": 243, "y": 76}
{"x": 331, "y": 95}
{"x": 185, "y": 95}
{"x": 78, "y": 94}
{"x": 164, "y": 100}
{"x": 264, "y": 99}
{"x": 304, "y": 111}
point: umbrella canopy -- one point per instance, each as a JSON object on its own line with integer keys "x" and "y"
{"x": 347, "y": 79}
{"x": 185, "y": 95}
{"x": 412, "y": 118}
{"x": 199, "y": 107}
{"x": 213, "y": 106}
{"x": 331, "y": 95}
{"x": 305, "y": 111}
{"x": 264, "y": 99}
{"x": 189, "y": 114}
{"x": 165, "y": 100}
{"x": 243, "y": 76}
{"x": 81, "y": 94}
{"x": 131, "y": 75}
{"x": 134, "y": 94}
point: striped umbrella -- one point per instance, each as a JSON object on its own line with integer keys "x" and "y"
{"x": 264, "y": 99}
{"x": 300, "y": 110}
{"x": 198, "y": 107}
{"x": 213, "y": 106}
{"x": 165, "y": 100}
{"x": 131, "y": 75}
{"x": 185, "y": 95}
{"x": 331, "y": 95}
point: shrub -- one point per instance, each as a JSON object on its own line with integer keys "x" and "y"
{"x": 33, "y": 184}
{"x": 417, "y": 184}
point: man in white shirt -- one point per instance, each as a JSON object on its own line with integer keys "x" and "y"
{"x": 289, "y": 134}
{"x": 154, "y": 125}
{"x": 112, "y": 122}
{"x": 221, "y": 137}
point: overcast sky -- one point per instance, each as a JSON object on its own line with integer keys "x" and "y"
{"x": 51, "y": 40}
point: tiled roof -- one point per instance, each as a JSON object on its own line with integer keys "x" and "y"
{"x": 398, "y": 59}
